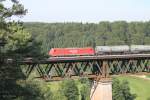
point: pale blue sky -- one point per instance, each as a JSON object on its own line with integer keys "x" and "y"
{"x": 86, "y": 10}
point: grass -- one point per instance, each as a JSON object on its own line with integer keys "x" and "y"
{"x": 138, "y": 86}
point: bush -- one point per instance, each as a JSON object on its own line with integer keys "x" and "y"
{"x": 70, "y": 90}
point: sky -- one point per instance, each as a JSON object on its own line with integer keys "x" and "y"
{"x": 86, "y": 10}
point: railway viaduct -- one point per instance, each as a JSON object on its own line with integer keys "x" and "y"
{"x": 99, "y": 68}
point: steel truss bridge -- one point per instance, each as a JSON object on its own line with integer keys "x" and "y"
{"x": 94, "y": 67}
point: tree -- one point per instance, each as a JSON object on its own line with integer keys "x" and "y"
{"x": 85, "y": 89}
{"x": 11, "y": 31}
{"x": 119, "y": 28}
{"x": 70, "y": 90}
{"x": 36, "y": 90}
{"x": 121, "y": 91}
{"x": 16, "y": 40}
{"x": 85, "y": 92}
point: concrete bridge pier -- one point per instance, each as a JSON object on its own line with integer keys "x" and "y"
{"x": 101, "y": 90}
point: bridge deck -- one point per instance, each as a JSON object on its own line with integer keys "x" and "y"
{"x": 87, "y": 58}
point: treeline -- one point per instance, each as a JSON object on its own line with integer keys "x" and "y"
{"x": 49, "y": 35}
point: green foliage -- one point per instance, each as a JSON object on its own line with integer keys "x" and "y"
{"x": 59, "y": 96}
{"x": 70, "y": 90}
{"x": 121, "y": 91}
{"x": 11, "y": 31}
{"x": 33, "y": 90}
{"x": 13, "y": 85}
{"x": 85, "y": 92}
{"x": 85, "y": 89}
{"x": 9, "y": 75}
{"x": 16, "y": 9}
{"x": 18, "y": 38}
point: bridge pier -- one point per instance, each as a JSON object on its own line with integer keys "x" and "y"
{"x": 101, "y": 90}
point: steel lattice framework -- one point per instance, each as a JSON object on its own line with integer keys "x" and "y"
{"x": 95, "y": 67}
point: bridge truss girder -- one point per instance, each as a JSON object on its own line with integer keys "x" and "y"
{"x": 96, "y": 69}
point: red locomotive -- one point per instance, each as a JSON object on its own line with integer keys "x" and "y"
{"x": 71, "y": 51}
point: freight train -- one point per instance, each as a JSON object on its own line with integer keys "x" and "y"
{"x": 99, "y": 50}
